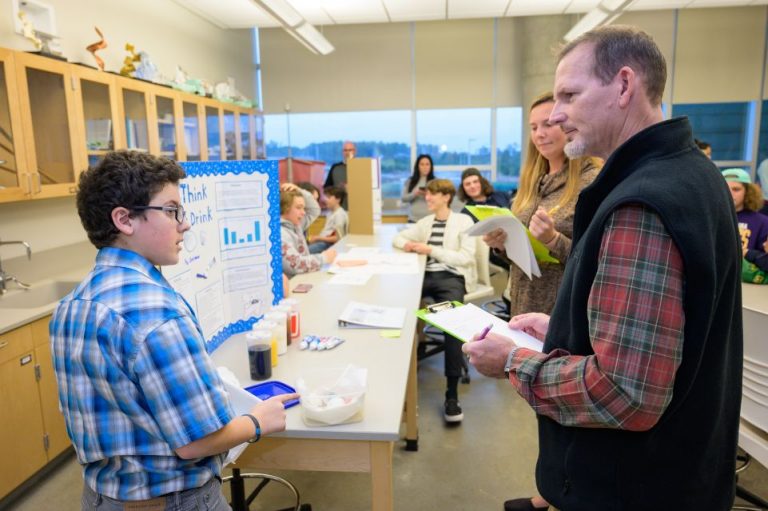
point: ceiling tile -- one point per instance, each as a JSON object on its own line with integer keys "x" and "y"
{"x": 313, "y": 11}
{"x": 644, "y": 5}
{"x": 580, "y": 6}
{"x": 476, "y": 8}
{"x": 230, "y": 13}
{"x": 410, "y": 10}
{"x": 536, "y": 7}
{"x": 354, "y": 11}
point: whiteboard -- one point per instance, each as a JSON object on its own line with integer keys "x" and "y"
{"x": 230, "y": 268}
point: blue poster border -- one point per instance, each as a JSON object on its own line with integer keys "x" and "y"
{"x": 248, "y": 167}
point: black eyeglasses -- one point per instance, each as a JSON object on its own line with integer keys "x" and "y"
{"x": 178, "y": 211}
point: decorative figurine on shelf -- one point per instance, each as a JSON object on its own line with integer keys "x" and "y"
{"x": 28, "y": 31}
{"x": 99, "y": 45}
{"x": 146, "y": 70}
{"x": 128, "y": 67}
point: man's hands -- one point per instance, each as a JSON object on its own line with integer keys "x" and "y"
{"x": 489, "y": 355}
{"x": 535, "y": 324}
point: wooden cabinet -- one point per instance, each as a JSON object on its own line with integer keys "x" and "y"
{"x": 58, "y": 118}
{"x": 46, "y": 90}
{"x": 98, "y": 129}
{"x": 32, "y": 429}
{"x": 56, "y": 438}
{"x": 14, "y": 182}
{"x": 22, "y": 430}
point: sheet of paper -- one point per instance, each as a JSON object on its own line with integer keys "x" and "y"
{"x": 466, "y": 321}
{"x": 359, "y": 252}
{"x": 378, "y": 263}
{"x": 367, "y": 315}
{"x": 350, "y": 279}
{"x": 518, "y": 246}
{"x": 242, "y": 402}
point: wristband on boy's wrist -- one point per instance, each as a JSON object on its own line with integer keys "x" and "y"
{"x": 257, "y": 427}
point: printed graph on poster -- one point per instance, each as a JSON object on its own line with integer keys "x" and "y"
{"x": 230, "y": 269}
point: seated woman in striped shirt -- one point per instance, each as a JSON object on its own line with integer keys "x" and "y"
{"x": 450, "y": 272}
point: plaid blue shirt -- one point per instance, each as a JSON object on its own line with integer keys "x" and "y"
{"x": 135, "y": 380}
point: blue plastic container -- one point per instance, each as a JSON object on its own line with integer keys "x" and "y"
{"x": 272, "y": 388}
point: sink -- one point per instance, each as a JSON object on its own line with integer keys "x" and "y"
{"x": 37, "y": 296}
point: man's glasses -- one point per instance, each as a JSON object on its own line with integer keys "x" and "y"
{"x": 178, "y": 211}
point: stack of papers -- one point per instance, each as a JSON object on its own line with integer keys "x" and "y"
{"x": 522, "y": 248}
{"x": 365, "y": 315}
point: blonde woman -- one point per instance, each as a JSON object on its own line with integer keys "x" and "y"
{"x": 546, "y": 197}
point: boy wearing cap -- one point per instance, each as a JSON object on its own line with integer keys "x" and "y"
{"x": 753, "y": 226}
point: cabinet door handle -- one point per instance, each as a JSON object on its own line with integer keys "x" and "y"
{"x": 3, "y": 344}
{"x": 39, "y": 184}
{"x": 28, "y": 191}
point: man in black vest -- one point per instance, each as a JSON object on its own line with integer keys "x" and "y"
{"x": 337, "y": 175}
{"x": 638, "y": 389}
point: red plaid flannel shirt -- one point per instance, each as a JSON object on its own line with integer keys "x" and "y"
{"x": 636, "y": 323}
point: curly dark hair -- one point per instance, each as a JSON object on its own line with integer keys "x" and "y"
{"x": 121, "y": 178}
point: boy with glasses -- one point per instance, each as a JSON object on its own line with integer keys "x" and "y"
{"x": 144, "y": 406}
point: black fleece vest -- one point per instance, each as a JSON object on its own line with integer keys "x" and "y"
{"x": 686, "y": 461}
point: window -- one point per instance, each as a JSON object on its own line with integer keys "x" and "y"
{"x": 319, "y": 136}
{"x": 762, "y": 151}
{"x": 457, "y": 137}
{"x": 509, "y": 138}
{"x": 726, "y": 126}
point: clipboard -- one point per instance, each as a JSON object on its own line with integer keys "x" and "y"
{"x": 464, "y": 321}
{"x": 424, "y": 315}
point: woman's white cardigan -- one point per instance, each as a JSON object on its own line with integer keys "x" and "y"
{"x": 458, "y": 249}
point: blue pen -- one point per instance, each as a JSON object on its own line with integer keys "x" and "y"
{"x": 485, "y": 332}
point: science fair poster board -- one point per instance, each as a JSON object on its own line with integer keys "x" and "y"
{"x": 230, "y": 267}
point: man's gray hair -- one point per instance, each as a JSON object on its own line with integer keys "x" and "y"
{"x": 616, "y": 46}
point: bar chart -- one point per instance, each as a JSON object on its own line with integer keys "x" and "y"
{"x": 241, "y": 237}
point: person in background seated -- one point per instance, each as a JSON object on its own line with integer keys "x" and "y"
{"x": 337, "y": 175}
{"x": 705, "y": 147}
{"x": 549, "y": 187}
{"x": 475, "y": 190}
{"x": 415, "y": 188}
{"x": 450, "y": 272}
{"x": 297, "y": 212}
{"x": 147, "y": 413}
{"x": 753, "y": 226}
{"x": 336, "y": 224}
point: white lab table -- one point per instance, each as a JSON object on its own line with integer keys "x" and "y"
{"x": 364, "y": 446}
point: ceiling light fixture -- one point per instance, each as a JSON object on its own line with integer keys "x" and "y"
{"x": 295, "y": 24}
{"x": 604, "y": 14}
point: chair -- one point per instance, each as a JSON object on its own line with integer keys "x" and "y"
{"x": 242, "y": 503}
{"x": 433, "y": 338}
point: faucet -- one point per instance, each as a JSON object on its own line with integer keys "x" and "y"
{"x": 5, "y": 277}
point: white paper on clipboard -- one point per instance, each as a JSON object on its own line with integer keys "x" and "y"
{"x": 242, "y": 402}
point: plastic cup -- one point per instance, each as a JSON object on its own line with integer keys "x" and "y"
{"x": 259, "y": 354}
{"x": 281, "y": 331}
{"x": 285, "y": 309}
{"x": 295, "y": 318}
{"x": 269, "y": 327}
